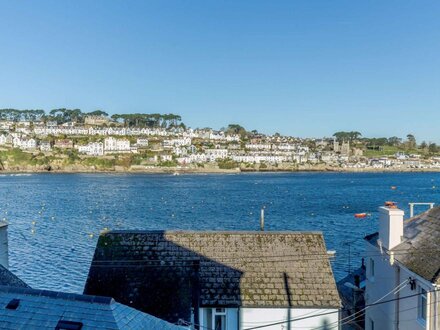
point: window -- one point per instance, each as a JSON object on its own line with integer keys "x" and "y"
{"x": 216, "y": 319}
{"x": 68, "y": 325}
{"x": 422, "y": 305}
{"x": 219, "y": 318}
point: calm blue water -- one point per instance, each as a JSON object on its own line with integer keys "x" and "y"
{"x": 55, "y": 219}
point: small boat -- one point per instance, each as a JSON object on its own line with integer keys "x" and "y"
{"x": 176, "y": 173}
{"x": 360, "y": 215}
{"x": 393, "y": 187}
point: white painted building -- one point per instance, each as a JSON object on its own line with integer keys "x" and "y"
{"x": 112, "y": 144}
{"x": 3, "y": 139}
{"x": 45, "y": 146}
{"x": 142, "y": 142}
{"x": 258, "y": 146}
{"x": 214, "y": 154}
{"x": 24, "y": 143}
{"x": 92, "y": 149}
{"x": 403, "y": 266}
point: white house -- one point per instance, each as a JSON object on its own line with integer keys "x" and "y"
{"x": 3, "y": 139}
{"x": 92, "y": 149}
{"x": 24, "y": 143}
{"x": 403, "y": 266}
{"x": 220, "y": 280}
{"x": 142, "y": 142}
{"x": 214, "y": 154}
{"x": 112, "y": 144}
{"x": 45, "y": 146}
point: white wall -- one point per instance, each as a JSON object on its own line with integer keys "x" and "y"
{"x": 251, "y": 317}
{"x": 385, "y": 280}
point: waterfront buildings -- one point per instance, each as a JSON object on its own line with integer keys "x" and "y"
{"x": 192, "y": 148}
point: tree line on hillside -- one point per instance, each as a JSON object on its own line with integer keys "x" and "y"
{"x": 394, "y": 141}
{"x": 149, "y": 120}
{"x": 64, "y": 115}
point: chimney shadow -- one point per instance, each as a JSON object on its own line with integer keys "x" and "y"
{"x": 163, "y": 276}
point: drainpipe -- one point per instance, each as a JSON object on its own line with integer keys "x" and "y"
{"x": 397, "y": 305}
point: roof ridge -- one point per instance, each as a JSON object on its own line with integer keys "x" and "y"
{"x": 229, "y": 232}
{"x": 58, "y": 295}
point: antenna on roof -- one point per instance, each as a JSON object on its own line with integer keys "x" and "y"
{"x": 262, "y": 219}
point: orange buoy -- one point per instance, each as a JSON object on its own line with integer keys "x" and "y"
{"x": 360, "y": 215}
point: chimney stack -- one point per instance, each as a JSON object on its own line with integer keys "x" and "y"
{"x": 390, "y": 225}
{"x": 4, "y": 260}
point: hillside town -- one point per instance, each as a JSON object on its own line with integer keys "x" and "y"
{"x": 100, "y": 142}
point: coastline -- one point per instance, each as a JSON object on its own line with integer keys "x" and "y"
{"x": 209, "y": 170}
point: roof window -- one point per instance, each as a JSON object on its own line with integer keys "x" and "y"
{"x": 68, "y": 325}
{"x": 13, "y": 304}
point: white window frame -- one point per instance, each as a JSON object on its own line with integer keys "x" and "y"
{"x": 422, "y": 306}
{"x": 218, "y": 313}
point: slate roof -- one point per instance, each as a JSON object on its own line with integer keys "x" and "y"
{"x": 420, "y": 249}
{"x": 165, "y": 272}
{"x": 9, "y": 279}
{"x": 40, "y": 309}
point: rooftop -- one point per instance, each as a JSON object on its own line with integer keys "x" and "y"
{"x": 24, "y": 308}
{"x": 7, "y": 278}
{"x": 419, "y": 250}
{"x": 150, "y": 269}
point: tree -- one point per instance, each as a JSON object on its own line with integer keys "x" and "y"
{"x": 347, "y": 136}
{"x": 411, "y": 141}
{"x": 98, "y": 113}
{"x": 394, "y": 141}
{"x": 432, "y": 148}
{"x": 236, "y": 129}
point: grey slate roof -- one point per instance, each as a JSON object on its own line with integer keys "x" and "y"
{"x": 164, "y": 273}
{"x": 420, "y": 249}
{"x": 40, "y": 309}
{"x": 9, "y": 279}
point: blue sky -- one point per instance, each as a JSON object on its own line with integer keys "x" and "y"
{"x": 302, "y": 68}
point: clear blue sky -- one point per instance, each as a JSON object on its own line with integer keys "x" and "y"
{"x": 302, "y": 68}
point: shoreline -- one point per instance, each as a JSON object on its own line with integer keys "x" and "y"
{"x": 179, "y": 171}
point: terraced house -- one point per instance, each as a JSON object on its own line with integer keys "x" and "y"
{"x": 219, "y": 280}
{"x": 403, "y": 268}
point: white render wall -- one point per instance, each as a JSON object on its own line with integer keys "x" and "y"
{"x": 384, "y": 281}
{"x": 244, "y": 318}
{"x": 252, "y": 317}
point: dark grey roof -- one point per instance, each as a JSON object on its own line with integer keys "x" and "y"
{"x": 9, "y": 279}
{"x": 40, "y": 309}
{"x": 419, "y": 251}
{"x": 163, "y": 273}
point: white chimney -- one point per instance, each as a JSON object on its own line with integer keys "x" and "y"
{"x": 390, "y": 225}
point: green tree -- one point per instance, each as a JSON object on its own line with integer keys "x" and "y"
{"x": 433, "y": 148}
{"x": 411, "y": 141}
